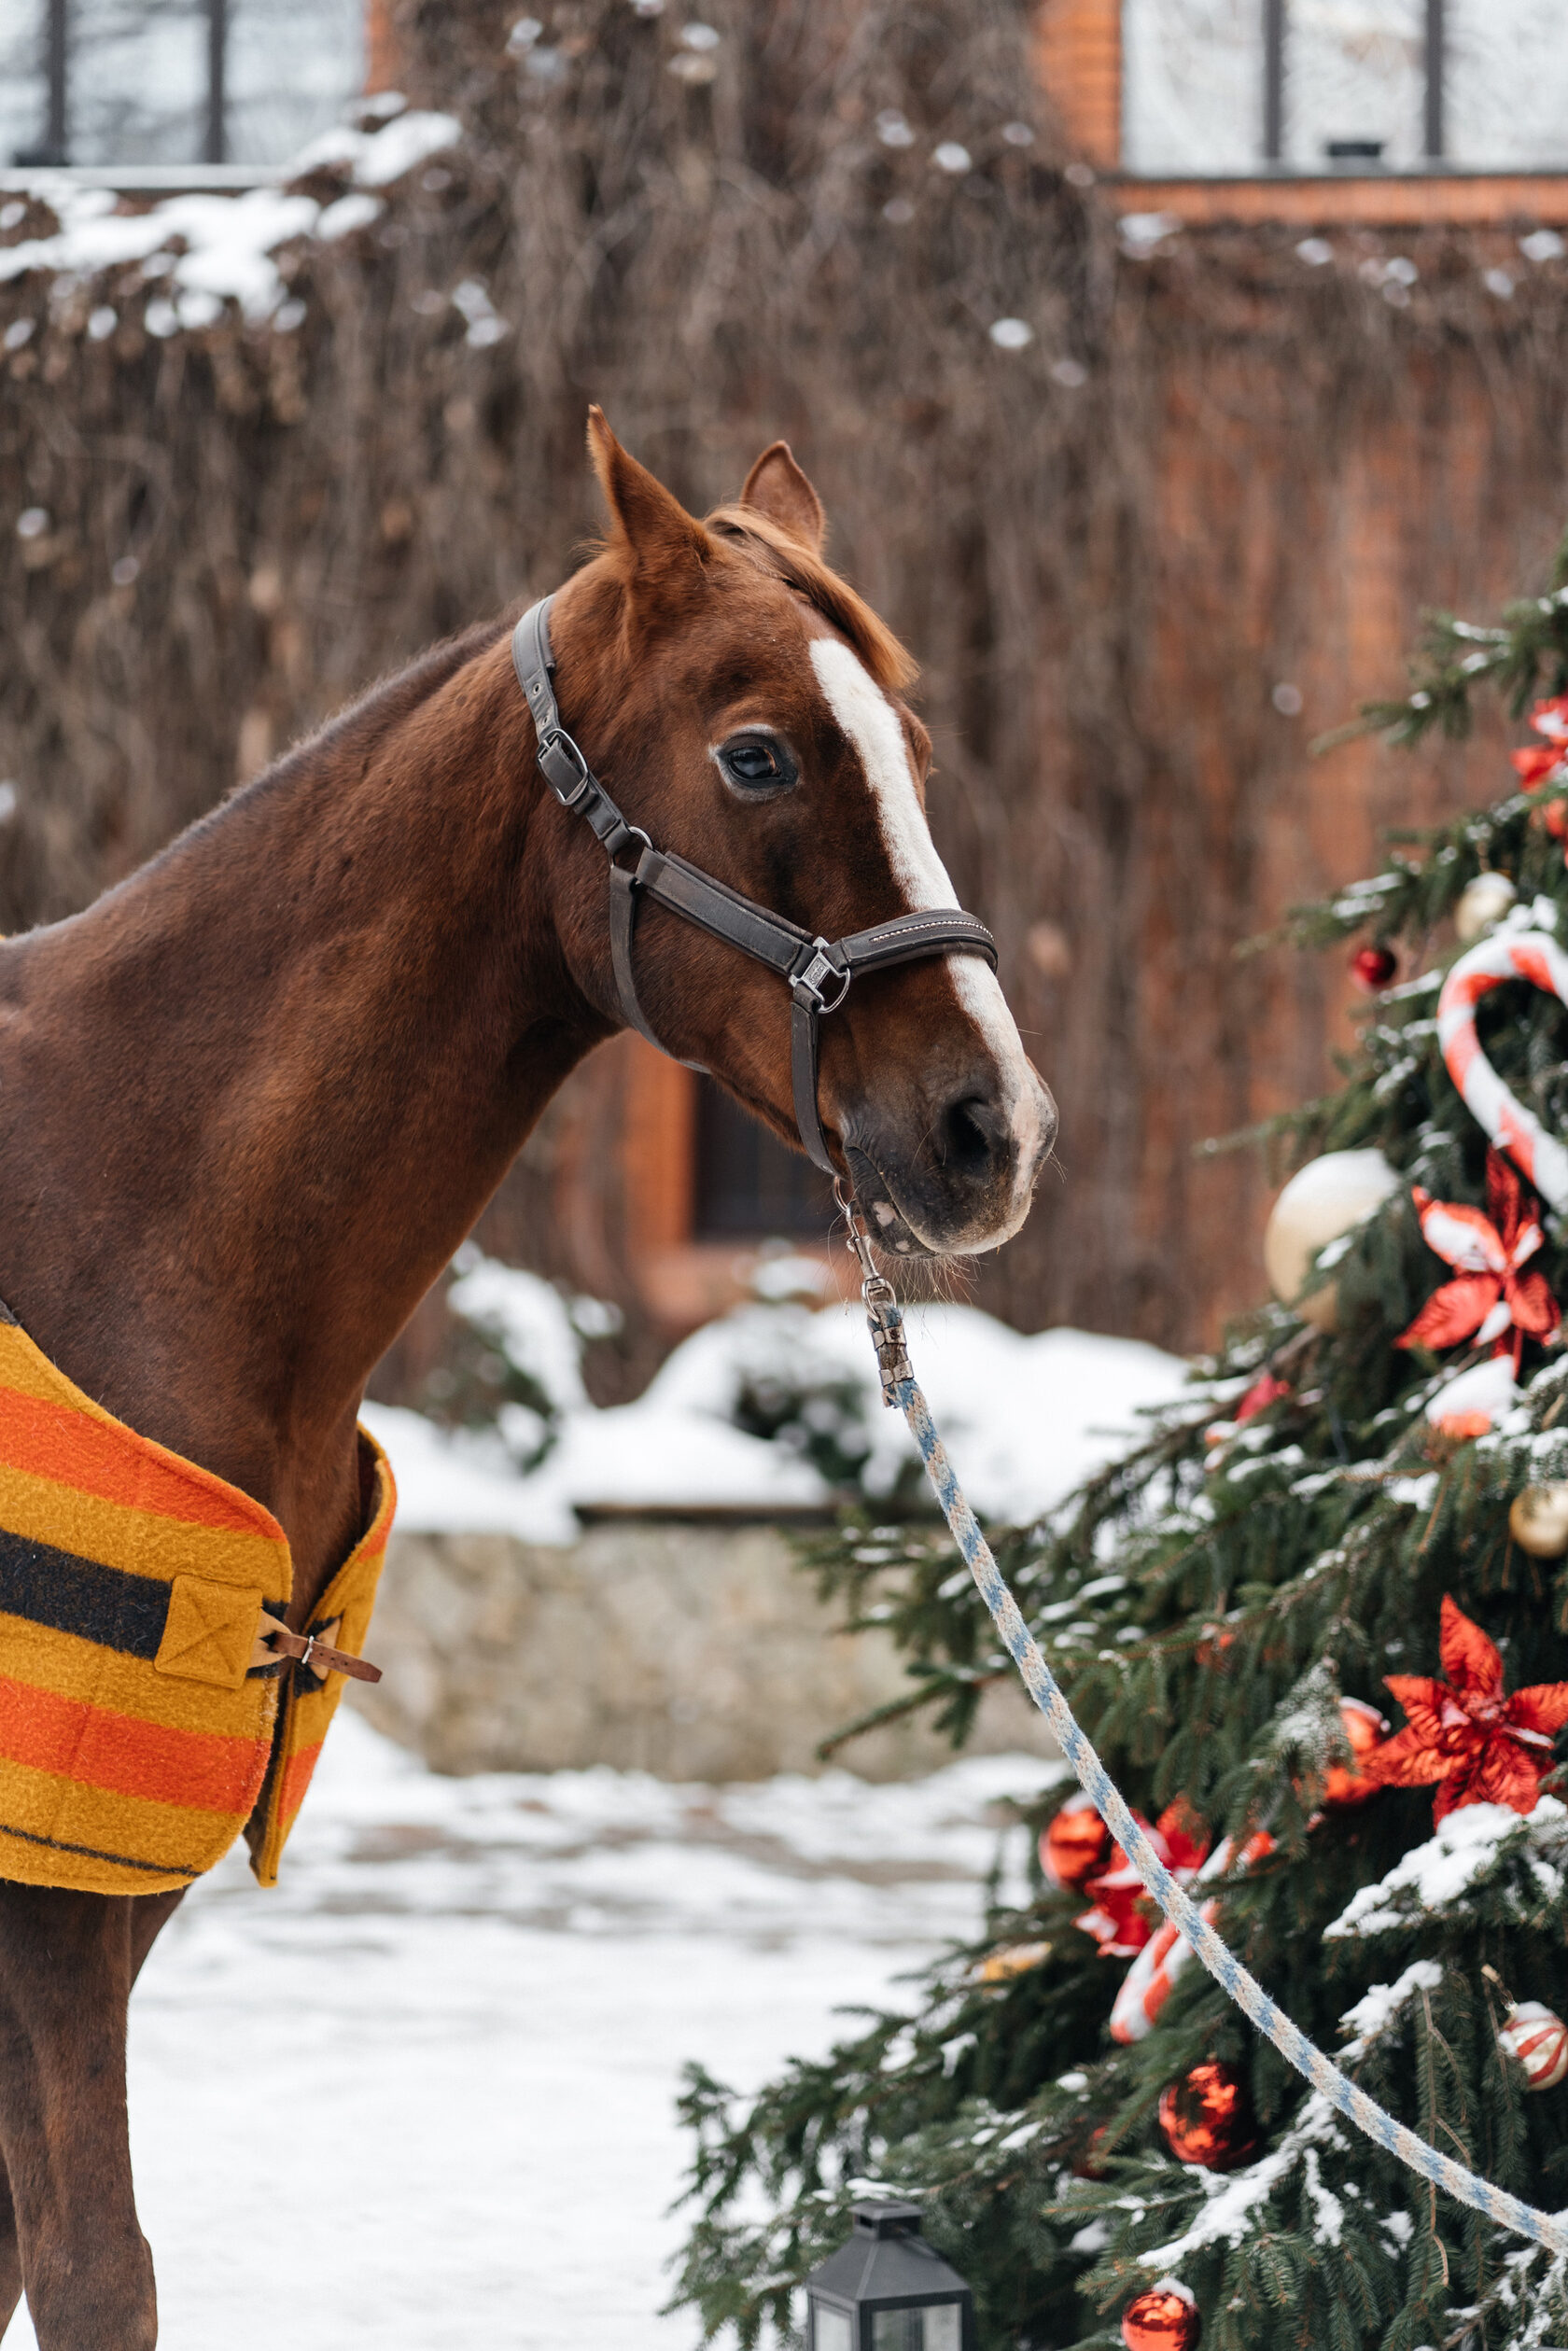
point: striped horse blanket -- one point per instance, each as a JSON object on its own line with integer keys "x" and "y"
{"x": 144, "y": 1722}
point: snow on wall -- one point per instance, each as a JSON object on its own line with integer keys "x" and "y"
{"x": 1024, "y": 1418}
{"x": 202, "y": 249}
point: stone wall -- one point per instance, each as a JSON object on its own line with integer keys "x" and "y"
{"x": 693, "y": 1651}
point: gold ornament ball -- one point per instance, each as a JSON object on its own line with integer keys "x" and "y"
{"x": 1481, "y": 904}
{"x": 1322, "y": 1201}
{"x": 1538, "y": 1520}
{"x": 1008, "y": 1961}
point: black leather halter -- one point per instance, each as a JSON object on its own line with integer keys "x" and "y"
{"x": 818, "y": 971}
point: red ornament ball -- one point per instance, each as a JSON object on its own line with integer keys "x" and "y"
{"x": 1206, "y": 2118}
{"x": 1074, "y": 1845}
{"x": 1372, "y": 968}
{"x": 1163, "y": 2319}
{"x": 1537, "y": 2040}
{"x": 1345, "y": 1783}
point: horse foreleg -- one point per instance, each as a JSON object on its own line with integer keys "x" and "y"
{"x": 66, "y": 1964}
{"x": 11, "y": 2255}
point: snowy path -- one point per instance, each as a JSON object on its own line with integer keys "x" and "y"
{"x": 422, "y": 2096}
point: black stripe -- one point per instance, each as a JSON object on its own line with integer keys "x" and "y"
{"x": 106, "y": 1605}
{"x": 121, "y": 1861}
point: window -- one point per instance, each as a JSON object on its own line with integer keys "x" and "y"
{"x": 171, "y": 83}
{"x": 749, "y": 1186}
{"x": 1228, "y": 86}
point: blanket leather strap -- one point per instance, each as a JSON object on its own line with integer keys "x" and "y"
{"x": 314, "y": 1654}
{"x": 818, "y": 972}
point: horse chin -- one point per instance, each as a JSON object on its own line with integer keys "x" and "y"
{"x": 877, "y": 1200}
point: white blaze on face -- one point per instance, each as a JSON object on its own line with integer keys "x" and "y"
{"x": 872, "y": 725}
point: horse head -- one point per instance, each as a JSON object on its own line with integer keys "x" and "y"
{"x": 744, "y": 706}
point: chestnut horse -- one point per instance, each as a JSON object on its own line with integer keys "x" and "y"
{"x": 253, "y": 1099}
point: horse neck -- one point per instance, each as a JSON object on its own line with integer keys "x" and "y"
{"x": 254, "y": 1098}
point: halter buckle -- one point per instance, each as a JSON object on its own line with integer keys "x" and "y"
{"x": 557, "y": 749}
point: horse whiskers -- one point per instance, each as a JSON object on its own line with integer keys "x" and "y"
{"x": 946, "y": 1281}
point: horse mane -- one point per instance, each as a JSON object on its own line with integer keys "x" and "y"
{"x": 354, "y": 729}
{"x": 790, "y": 560}
{"x": 392, "y": 698}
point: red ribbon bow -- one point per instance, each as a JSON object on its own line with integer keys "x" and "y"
{"x": 1124, "y": 1918}
{"x": 1478, "y": 1745}
{"x": 1493, "y": 1298}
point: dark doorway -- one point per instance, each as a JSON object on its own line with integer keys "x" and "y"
{"x": 749, "y": 1186}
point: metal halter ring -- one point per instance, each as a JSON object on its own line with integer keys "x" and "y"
{"x": 809, "y": 982}
{"x": 633, "y": 834}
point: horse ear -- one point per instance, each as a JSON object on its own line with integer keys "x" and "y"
{"x": 653, "y": 527}
{"x": 776, "y": 487}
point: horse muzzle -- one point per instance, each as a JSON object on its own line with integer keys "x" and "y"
{"x": 954, "y": 1175}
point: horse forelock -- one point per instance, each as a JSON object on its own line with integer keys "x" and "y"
{"x": 785, "y": 558}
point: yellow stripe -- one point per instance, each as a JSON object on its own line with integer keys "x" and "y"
{"x": 70, "y": 1667}
{"x": 83, "y": 1873}
{"x": 116, "y": 1536}
{"x": 138, "y": 1826}
{"x": 25, "y": 1368}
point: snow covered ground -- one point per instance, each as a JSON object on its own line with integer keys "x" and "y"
{"x": 422, "y": 2096}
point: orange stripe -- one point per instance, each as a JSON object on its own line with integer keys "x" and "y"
{"x": 49, "y": 1440}
{"x": 296, "y": 1780}
{"x": 201, "y": 1771}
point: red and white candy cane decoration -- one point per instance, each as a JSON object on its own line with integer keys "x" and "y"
{"x": 1518, "y": 955}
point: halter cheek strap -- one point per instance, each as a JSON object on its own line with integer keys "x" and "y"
{"x": 817, "y": 971}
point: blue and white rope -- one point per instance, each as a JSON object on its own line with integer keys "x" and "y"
{"x": 1541, "y": 2228}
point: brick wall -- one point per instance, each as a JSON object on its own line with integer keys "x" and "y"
{"x": 1078, "y": 48}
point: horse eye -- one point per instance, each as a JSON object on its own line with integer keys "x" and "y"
{"x": 757, "y": 763}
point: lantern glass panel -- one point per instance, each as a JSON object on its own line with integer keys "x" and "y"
{"x": 940, "y": 2329}
{"x": 831, "y": 2330}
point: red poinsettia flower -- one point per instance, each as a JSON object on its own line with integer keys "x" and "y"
{"x": 1544, "y": 762}
{"x": 1493, "y": 1297}
{"x": 1535, "y": 763}
{"x": 1478, "y": 1745}
{"x": 1124, "y": 1918}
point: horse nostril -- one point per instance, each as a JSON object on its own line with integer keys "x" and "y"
{"x": 971, "y": 1135}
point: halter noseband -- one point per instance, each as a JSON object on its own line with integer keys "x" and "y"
{"x": 818, "y": 970}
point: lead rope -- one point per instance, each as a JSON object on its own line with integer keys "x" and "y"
{"x": 900, "y": 1388}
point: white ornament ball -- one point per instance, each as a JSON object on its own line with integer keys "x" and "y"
{"x": 1325, "y": 1199}
{"x": 1482, "y": 903}
{"x": 1538, "y": 2039}
{"x": 1538, "y": 1520}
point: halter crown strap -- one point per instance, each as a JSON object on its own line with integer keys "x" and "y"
{"x": 818, "y": 971}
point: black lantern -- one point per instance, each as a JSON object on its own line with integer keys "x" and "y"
{"x": 887, "y": 2291}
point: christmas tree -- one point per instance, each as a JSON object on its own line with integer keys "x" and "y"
{"x": 1316, "y": 1623}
